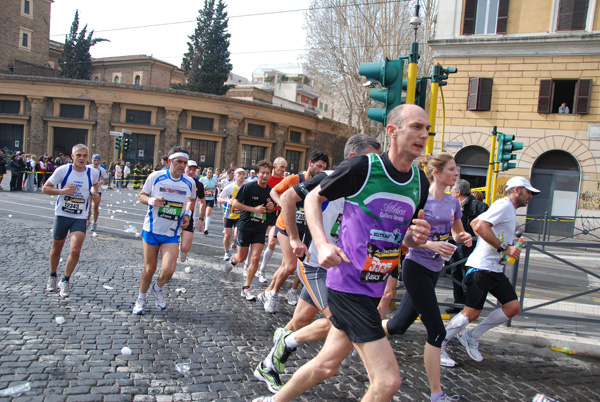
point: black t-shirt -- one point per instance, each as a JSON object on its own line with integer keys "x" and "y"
{"x": 350, "y": 175}
{"x": 199, "y": 189}
{"x": 306, "y": 187}
{"x": 252, "y": 195}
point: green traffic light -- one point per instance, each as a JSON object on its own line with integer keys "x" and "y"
{"x": 389, "y": 74}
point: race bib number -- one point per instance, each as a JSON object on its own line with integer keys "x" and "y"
{"x": 300, "y": 217}
{"x": 256, "y": 217}
{"x": 335, "y": 229}
{"x": 209, "y": 193}
{"x": 171, "y": 210}
{"x": 73, "y": 205}
{"x": 379, "y": 263}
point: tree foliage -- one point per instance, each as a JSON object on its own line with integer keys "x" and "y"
{"x": 76, "y": 60}
{"x": 206, "y": 63}
{"x": 342, "y": 34}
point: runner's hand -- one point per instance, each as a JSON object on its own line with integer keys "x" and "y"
{"x": 156, "y": 201}
{"x": 299, "y": 249}
{"x": 69, "y": 190}
{"x": 330, "y": 255}
{"x": 185, "y": 221}
{"x": 420, "y": 228}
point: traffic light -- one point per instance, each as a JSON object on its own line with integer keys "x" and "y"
{"x": 420, "y": 91}
{"x": 440, "y": 74}
{"x": 506, "y": 146}
{"x": 389, "y": 74}
{"x": 118, "y": 143}
{"x": 126, "y": 142}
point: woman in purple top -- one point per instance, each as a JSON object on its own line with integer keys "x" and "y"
{"x": 421, "y": 267}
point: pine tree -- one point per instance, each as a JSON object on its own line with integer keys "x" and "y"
{"x": 76, "y": 60}
{"x": 206, "y": 63}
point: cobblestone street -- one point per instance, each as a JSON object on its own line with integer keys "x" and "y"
{"x": 209, "y": 326}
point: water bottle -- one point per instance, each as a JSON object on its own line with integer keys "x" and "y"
{"x": 16, "y": 390}
{"x": 519, "y": 244}
{"x": 563, "y": 349}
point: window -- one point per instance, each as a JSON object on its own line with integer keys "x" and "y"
{"x": 252, "y": 154}
{"x": 572, "y": 15}
{"x": 202, "y": 151}
{"x": 326, "y": 107}
{"x": 480, "y": 94}
{"x": 202, "y": 123}
{"x": 26, "y": 7}
{"x": 117, "y": 79}
{"x": 72, "y": 111}
{"x": 485, "y": 17}
{"x": 138, "y": 80}
{"x": 293, "y": 160}
{"x": 295, "y": 136}
{"x": 10, "y": 106}
{"x": 138, "y": 116}
{"x": 256, "y": 130}
{"x": 575, "y": 93}
{"x": 320, "y": 105}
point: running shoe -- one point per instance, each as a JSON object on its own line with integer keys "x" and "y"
{"x": 65, "y": 289}
{"x": 205, "y": 232}
{"x": 448, "y": 398}
{"x": 51, "y": 285}
{"x": 93, "y": 227}
{"x": 159, "y": 298}
{"x": 348, "y": 359}
{"x": 279, "y": 332}
{"x": 261, "y": 297}
{"x": 280, "y": 353}
{"x": 271, "y": 302}
{"x": 227, "y": 266}
{"x": 292, "y": 297}
{"x": 261, "y": 278}
{"x": 226, "y": 256}
{"x": 263, "y": 399}
{"x": 446, "y": 360}
{"x": 246, "y": 293}
{"x": 139, "y": 306}
{"x": 471, "y": 345}
{"x": 182, "y": 256}
{"x": 269, "y": 377}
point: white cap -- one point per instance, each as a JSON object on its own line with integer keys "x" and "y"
{"x": 239, "y": 170}
{"x": 252, "y": 171}
{"x": 192, "y": 163}
{"x": 519, "y": 181}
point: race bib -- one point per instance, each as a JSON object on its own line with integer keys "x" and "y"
{"x": 209, "y": 193}
{"x": 171, "y": 210}
{"x": 300, "y": 217}
{"x": 73, "y": 204}
{"x": 335, "y": 229}
{"x": 256, "y": 217}
{"x": 379, "y": 263}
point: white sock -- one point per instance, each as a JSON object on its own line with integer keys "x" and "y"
{"x": 266, "y": 258}
{"x": 494, "y": 319}
{"x": 290, "y": 341}
{"x": 206, "y": 222}
{"x": 456, "y": 324}
{"x": 142, "y": 296}
{"x": 156, "y": 287}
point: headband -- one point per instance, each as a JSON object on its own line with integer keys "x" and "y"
{"x": 181, "y": 154}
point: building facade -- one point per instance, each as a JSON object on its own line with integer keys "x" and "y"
{"x": 518, "y": 61}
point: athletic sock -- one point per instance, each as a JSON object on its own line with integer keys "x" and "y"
{"x": 494, "y": 319}
{"x": 266, "y": 258}
{"x": 206, "y": 222}
{"x": 290, "y": 341}
{"x": 434, "y": 398}
{"x": 142, "y": 296}
{"x": 53, "y": 274}
{"x": 156, "y": 287}
{"x": 65, "y": 278}
{"x": 456, "y": 324}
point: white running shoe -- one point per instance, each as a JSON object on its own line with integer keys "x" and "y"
{"x": 292, "y": 297}
{"x": 446, "y": 360}
{"x": 93, "y": 227}
{"x": 51, "y": 285}
{"x": 65, "y": 289}
{"x": 227, "y": 266}
{"x": 182, "y": 256}
{"x": 226, "y": 257}
{"x": 246, "y": 293}
{"x": 159, "y": 298}
{"x": 139, "y": 306}
{"x": 271, "y": 302}
{"x": 448, "y": 398}
{"x": 471, "y": 345}
{"x": 261, "y": 278}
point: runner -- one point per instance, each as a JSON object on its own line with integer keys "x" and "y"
{"x": 96, "y": 204}
{"x": 187, "y": 234}
{"x": 383, "y": 194}
{"x": 231, "y": 215}
{"x": 169, "y": 195}
{"x": 74, "y": 184}
{"x": 254, "y": 202}
{"x": 210, "y": 187}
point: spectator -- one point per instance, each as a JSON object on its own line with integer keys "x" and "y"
{"x": 479, "y": 196}
{"x": 126, "y": 174}
{"x": 563, "y": 109}
{"x": 2, "y": 168}
{"x": 41, "y": 172}
{"x": 30, "y": 163}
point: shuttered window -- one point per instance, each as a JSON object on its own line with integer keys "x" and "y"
{"x": 256, "y": 130}
{"x": 485, "y": 17}
{"x": 480, "y": 94}
{"x": 575, "y": 93}
{"x": 572, "y": 15}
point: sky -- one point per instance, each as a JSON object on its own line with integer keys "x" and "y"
{"x": 133, "y": 28}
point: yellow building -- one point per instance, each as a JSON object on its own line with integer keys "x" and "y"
{"x": 518, "y": 61}
{"x": 43, "y": 114}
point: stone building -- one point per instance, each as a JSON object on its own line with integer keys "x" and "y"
{"x": 517, "y": 62}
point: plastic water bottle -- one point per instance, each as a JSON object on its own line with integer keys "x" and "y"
{"x": 519, "y": 243}
{"x": 16, "y": 390}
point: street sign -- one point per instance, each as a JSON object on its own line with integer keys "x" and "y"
{"x": 128, "y": 132}
{"x": 116, "y": 133}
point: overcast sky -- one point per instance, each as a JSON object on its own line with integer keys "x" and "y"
{"x": 276, "y": 37}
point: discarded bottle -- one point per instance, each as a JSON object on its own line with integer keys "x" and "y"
{"x": 16, "y": 390}
{"x": 518, "y": 243}
{"x": 126, "y": 351}
{"x": 565, "y": 349}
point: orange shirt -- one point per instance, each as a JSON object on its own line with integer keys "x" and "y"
{"x": 281, "y": 188}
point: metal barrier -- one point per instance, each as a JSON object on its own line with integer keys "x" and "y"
{"x": 588, "y": 226}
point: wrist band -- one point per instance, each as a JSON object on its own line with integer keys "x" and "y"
{"x": 188, "y": 213}
{"x": 151, "y": 201}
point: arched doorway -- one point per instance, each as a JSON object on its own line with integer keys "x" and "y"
{"x": 473, "y": 162}
{"x": 556, "y": 174}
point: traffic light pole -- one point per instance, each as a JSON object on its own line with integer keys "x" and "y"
{"x": 488, "y": 192}
{"x": 411, "y": 86}
{"x": 433, "y": 97}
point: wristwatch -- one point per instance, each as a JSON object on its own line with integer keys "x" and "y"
{"x": 502, "y": 247}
